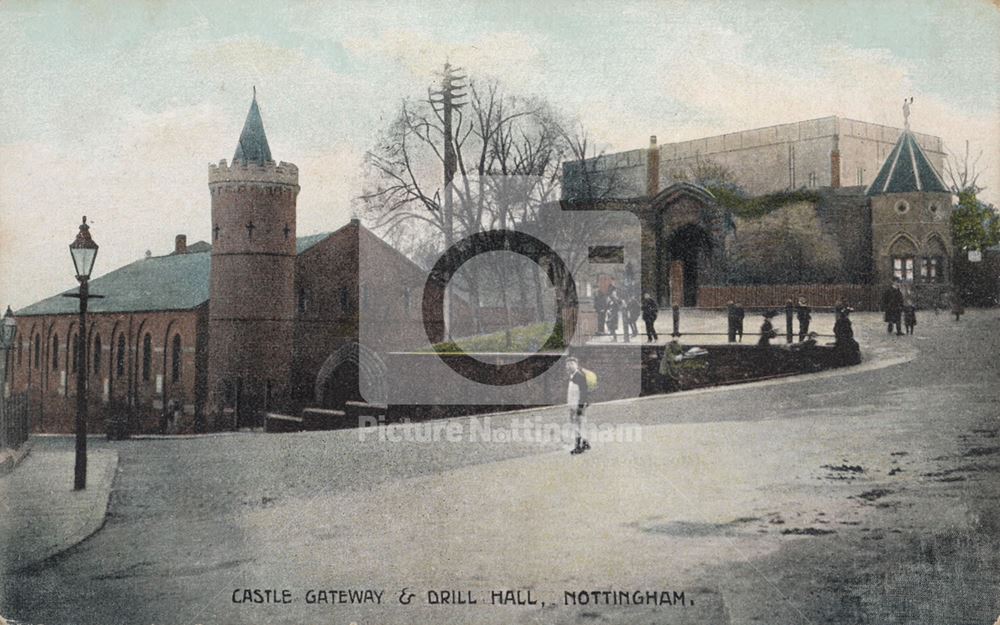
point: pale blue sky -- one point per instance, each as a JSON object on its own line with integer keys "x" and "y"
{"x": 115, "y": 109}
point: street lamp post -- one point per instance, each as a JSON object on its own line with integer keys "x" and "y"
{"x": 8, "y": 333}
{"x": 83, "y": 250}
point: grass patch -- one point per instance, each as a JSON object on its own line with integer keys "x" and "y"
{"x": 530, "y": 338}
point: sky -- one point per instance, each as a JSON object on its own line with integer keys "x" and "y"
{"x": 114, "y": 110}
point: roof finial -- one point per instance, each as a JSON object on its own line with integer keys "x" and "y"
{"x": 254, "y": 92}
{"x": 906, "y": 112}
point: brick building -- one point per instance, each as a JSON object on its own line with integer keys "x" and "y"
{"x": 211, "y": 336}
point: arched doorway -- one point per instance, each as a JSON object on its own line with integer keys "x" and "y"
{"x": 352, "y": 373}
{"x": 689, "y": 239}
{"x": 687, "y": 249}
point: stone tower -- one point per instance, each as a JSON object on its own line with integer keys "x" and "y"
{"x": 911, "y": 224}
{"x": 251, "y": 312}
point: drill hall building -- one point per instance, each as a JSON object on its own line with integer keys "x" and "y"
{"x": 214, "y": 335}
{"x": 829, "y": 209}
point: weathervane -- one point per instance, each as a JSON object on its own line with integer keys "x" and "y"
{"x": 906, "y": 111}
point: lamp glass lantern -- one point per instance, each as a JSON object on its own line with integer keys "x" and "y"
{"x": 8, "y": 330}
{"x": 84, "y": 252}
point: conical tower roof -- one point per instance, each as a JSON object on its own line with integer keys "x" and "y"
{"x": 907, "y": 169}
{"x": 253, "y": 146}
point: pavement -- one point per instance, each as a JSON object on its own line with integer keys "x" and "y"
{"x": 41, "y": 515}
{"x": 863, "y": 495}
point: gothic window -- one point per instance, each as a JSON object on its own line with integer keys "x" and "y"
{"x": 930, "y": 269}
{"x": 120, "y": 353}
{"x": 812, "y": 179}
{"x": 902, "y": 253}
{"x": 303, "y": 300}
{"x": 345, "y": 299}
{"x": 97, "y": 354}
{"x": 38, "y": 350}
{"x": 861, "y": 176}
{"x": 147, "y": 356}
{"x": 176, "y": 355}
{"x": 20, "y": 350}
{"x": 76, "y": 353}
{"x": 55, "y": 352}
{"x": 902, "y": 269}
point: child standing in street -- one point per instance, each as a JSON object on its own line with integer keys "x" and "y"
{"x": 576, "y": 400}
{"x": 909, "y": 317}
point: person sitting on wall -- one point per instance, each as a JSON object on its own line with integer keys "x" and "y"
{"x": 767, "y": 331}
{"x": 843, "y": 336}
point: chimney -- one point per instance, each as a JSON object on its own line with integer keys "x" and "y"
{"x": 835, "y": 155}
{"x": 180, "y": 244}
{"x": 652, "y": 168}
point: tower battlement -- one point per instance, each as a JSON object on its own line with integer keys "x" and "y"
{"x": 244, "y": 171}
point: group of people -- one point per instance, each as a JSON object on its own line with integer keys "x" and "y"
{"x": 614, "y": 306}
{"x": 899, "y": 311}
{"x": 736, "y": 314}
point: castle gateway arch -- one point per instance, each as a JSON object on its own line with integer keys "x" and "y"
{"x": 687, "y": 245}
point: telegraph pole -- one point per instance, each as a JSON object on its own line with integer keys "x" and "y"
{"x": 445, "y": 101}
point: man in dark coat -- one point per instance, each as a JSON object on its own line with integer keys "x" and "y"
{"x": 738, "y": 315}
{"x": 613, "y": 310}
{"x": 892, "y": 304}
{"x": 601, "y": 306}
{"x": 650, "y": 311}
{"x": 804, "y": 315}
{"x": 633, "y": 308}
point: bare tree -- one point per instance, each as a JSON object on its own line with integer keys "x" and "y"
{"x": 507, "y": 150}
{"x": 963, "y": 173}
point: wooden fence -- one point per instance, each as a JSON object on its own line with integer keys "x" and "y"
{"x": 858, "y": 296}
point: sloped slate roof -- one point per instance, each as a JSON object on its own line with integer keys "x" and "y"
{"x": 907, "y": 169}
{"x": 253, "y": 147}
{"x": 172, "y": 282}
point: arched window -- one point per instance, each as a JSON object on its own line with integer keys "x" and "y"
{"x": 932, "y": 264}
{"x": 55, "y": 352}
{"x": 175, "y": 351}
{"x": 120, "y": 356}
{"x": 97, "y": 354}
{"x": 38, "y": 350}
{"x": 902, "y": 253}
{"x": 147, "y": 356}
